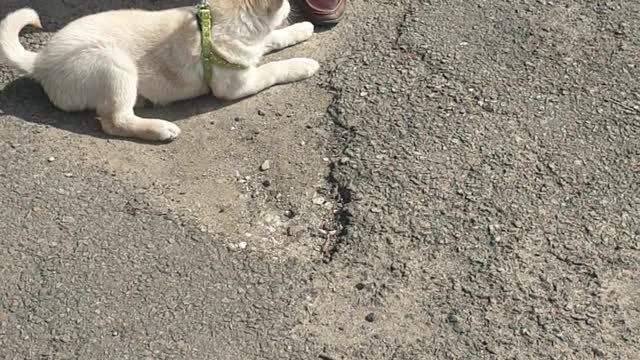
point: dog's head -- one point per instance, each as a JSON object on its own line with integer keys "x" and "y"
{"x": 262, "y": 15}
{"x": 276, "y": 11}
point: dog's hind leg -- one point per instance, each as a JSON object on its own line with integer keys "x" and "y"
{"x": 116, "y": 97}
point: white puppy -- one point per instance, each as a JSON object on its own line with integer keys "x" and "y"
{"x": 109, "y": 61}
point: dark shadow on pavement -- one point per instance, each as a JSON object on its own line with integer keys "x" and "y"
{"x": 26, "y": 100}
{"x": 57, "y": 13}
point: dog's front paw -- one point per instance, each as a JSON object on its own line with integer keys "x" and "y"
{"x": 303, "y": 68}
{"x": 302, "y": 31}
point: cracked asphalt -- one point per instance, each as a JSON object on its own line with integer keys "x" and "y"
{"x": 478, "y": 162}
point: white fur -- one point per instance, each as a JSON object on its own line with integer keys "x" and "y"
{"x": 108, "y": 60}
{"x": 11, "y": 51}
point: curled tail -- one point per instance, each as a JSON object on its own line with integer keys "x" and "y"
{"x": 12, "y": 52}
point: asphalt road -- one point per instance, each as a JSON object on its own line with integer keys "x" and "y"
{"x": 478, "y": 161}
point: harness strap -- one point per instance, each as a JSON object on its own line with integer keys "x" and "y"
{"x": 209, "y": 55}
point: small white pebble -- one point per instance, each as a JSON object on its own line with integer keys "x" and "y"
{"x": 266, "y": 165}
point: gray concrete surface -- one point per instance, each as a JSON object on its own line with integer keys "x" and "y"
{"x": 483, "y": 178}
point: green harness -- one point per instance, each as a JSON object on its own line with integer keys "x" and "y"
{"x": 209, "y": 55}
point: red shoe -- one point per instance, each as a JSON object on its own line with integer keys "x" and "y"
{"x": 324, "y": 12}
